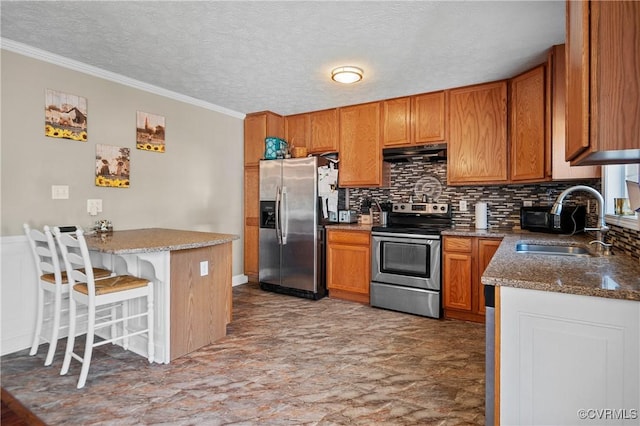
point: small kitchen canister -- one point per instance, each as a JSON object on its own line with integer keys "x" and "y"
{"x": 481, "y": 215}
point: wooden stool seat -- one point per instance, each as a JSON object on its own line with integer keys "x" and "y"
{"x": 97, "y": 273}
{"x": 113, "y": 284}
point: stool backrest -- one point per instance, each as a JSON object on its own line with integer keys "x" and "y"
{"x": 76, "y": 258}
{"x": 43, "y": 249}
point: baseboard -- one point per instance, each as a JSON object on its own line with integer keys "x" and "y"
{"x": 239, "y": 279}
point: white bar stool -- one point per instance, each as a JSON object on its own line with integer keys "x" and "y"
{"x": 85, "y": 290}
{"x": 53, "y": 289}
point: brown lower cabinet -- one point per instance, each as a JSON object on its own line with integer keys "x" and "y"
{"x": 349, "y": 264}
{"x": 464, "y": 260}
{"x": 200, "y": 305}
{"x": 251, "y": 222}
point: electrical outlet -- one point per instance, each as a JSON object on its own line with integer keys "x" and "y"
{"x": 528, "y": 203}
{"x": 463, "y": 205}
{"x": 59, "y": 192}
{"x": 94, "y": 206}
{"x": 204, "y": 268}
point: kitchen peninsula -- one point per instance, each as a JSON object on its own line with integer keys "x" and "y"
{"x": 191, "y": 272}
{"x": 567, "y": 333}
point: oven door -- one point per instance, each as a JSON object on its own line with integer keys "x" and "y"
{"x": 406, "y": 259}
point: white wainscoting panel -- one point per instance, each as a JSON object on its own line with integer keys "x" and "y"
{"x": 18, "y": 294}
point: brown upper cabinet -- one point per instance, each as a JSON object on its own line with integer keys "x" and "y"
{"x": 317, "y": 131}
{"x": 396, "y": 122}
{"x": 603, "y": 94}
{"x": 296, "y": 130}
{"x": 477, "y": 145}
{"x": 428, "y": 112}
{"x": 323, "y": 133}
{"x": 537, "y": 124}
{"x": 418, "y": 119}
{"x": 529, "y": 140}
{"x": 257, "y": 127}
{"x": 557, "y": 91}
{"x": 360, "y": 139}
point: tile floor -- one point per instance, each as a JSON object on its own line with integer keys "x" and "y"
{"x": 285, "y": 361}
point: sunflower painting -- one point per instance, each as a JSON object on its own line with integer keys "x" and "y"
{"x": 112, "y": 166}
{"x": 149, "y": 132}
{"x": 65, "y": 116}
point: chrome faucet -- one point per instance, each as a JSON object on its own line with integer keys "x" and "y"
{"x": 601, "y": 245}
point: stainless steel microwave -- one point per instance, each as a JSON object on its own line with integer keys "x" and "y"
{"x": 572, "y": 219}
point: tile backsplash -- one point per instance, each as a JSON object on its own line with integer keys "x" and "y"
{"x": 625, "y": 239}
{"x": 429, "y": 179}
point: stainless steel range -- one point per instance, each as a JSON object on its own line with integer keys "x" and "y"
{"x": 406, "y": 259}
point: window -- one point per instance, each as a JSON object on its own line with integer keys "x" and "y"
{"x": 614, "y": 186}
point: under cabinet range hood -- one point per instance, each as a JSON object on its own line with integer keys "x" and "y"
{"x": 431, "y": 152}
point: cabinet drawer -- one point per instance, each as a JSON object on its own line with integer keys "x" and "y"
{"x": 349, "y": 237}
{"x": 457, "y": 244}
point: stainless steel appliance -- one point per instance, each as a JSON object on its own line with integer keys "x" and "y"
{"x": 432, "y": 152}
{"x": 490, "y": 354}
{"x": 347, "y": 216}
{"x": 572, "y": 219}
{"x": 406, "y": 259}
{"x": 291, "y": 238}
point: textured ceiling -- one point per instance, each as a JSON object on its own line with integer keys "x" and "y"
{"x": 250, "y": 56}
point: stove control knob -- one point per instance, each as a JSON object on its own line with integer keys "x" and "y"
{"x": 443, "y": 208}
{"x": 402, "y": 207}
{"x": 434, "y": 207}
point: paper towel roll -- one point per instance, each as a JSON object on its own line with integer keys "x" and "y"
{"x": 481, "y": 215}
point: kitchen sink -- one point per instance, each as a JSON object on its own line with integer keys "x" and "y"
{"x": 552, "y": 249}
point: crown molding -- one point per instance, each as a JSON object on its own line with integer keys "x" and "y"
{"x": 42, "y": 55}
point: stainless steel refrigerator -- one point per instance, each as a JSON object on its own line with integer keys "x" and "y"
{"x": 291, "y": 237}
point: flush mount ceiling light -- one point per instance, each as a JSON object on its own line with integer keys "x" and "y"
{"x": 346, "y": 75}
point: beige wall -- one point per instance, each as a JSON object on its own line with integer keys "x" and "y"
{"x": 196, "y": 184}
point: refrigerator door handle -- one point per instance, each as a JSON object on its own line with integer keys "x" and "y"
{"x": 278, "y": 217}
{"x": 284, "y": 218}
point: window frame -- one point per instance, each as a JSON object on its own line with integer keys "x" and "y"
{"x": 609, "y": 193}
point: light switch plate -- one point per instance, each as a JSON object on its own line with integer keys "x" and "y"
{"x": 204, "y": 268}
{"x": 94, "y": 206}
{"x": 59, "y": 192}
{"x": 463, "y": 205}
{"x": 528, "y": 203}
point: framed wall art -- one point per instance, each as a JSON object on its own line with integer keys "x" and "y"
{"x": 150, "y": 132}
{"x": 65, "y": 116}
{"x": 112, "y": 166}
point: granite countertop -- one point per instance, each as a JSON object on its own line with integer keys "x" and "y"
{"x": 153, "y": 239}
{"x": 615, "y": 276}
{"x": 467, "y": 231}
{"x": 352, "y": 226}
